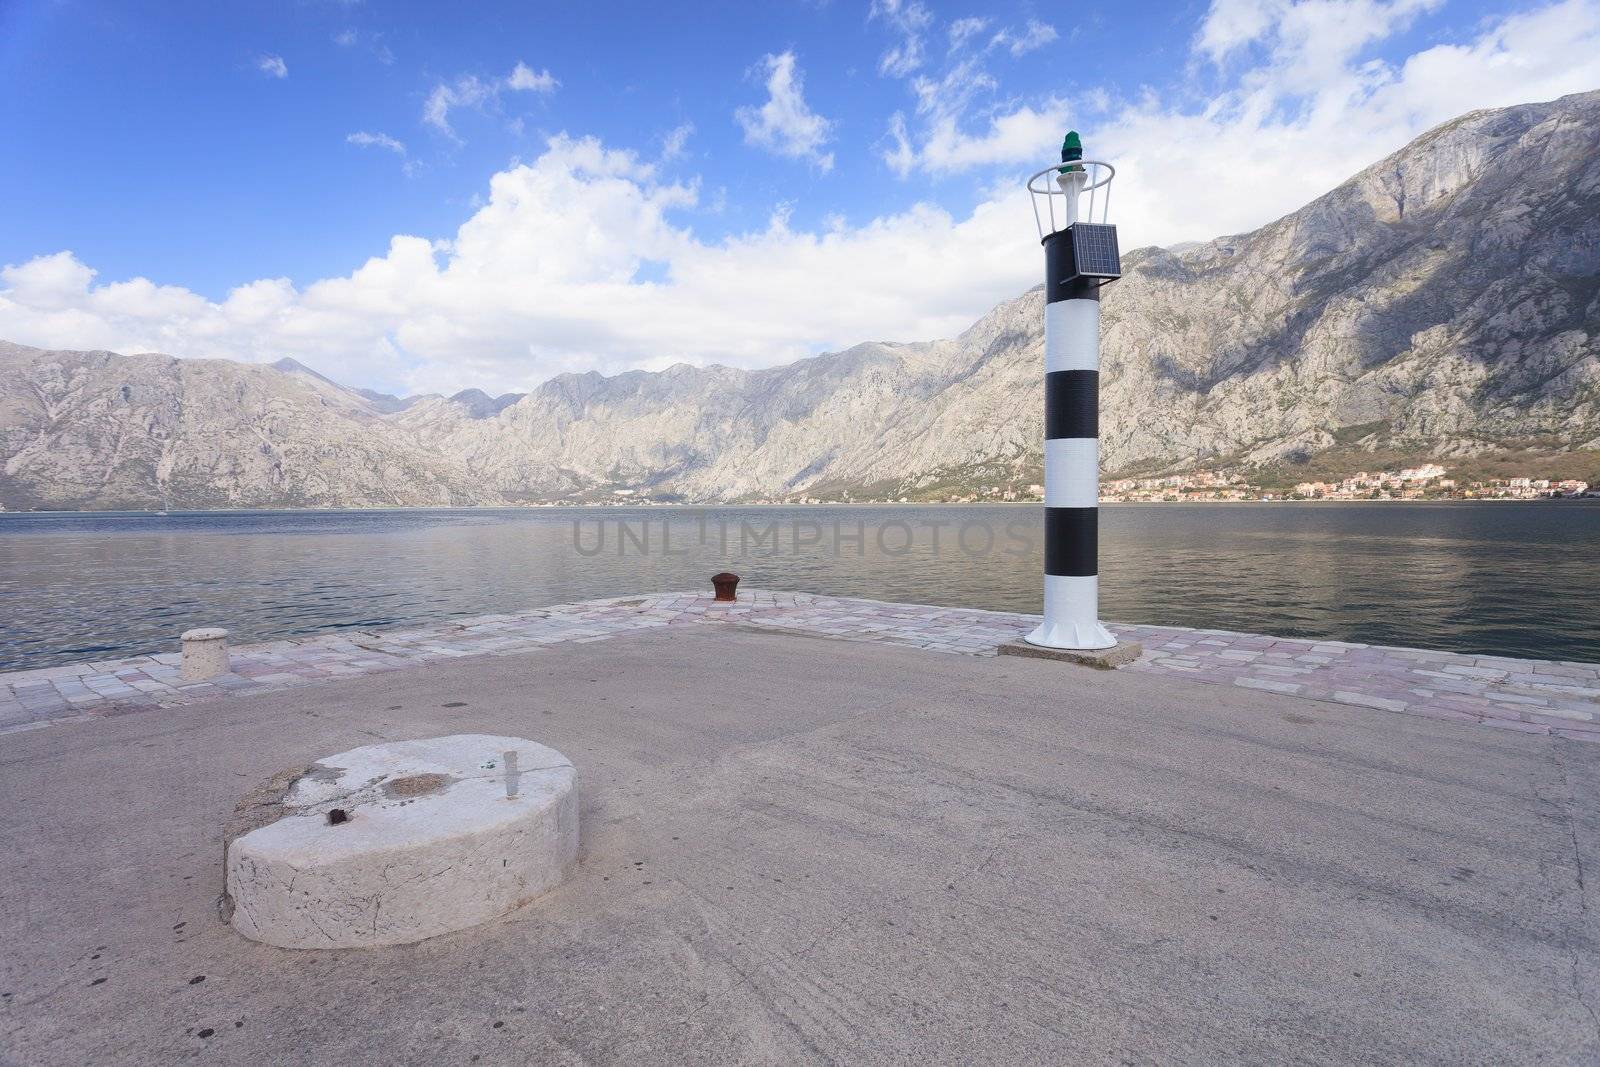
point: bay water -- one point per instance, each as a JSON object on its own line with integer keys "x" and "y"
{"x": 1503, "y": 578}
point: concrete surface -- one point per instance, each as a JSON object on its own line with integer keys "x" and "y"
{"x": 1105, "y": 659}
{"x": 804, "y": 850}
{"x": 433, "y": 835}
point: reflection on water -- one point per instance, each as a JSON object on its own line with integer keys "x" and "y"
{"x": 1510, "y": 578}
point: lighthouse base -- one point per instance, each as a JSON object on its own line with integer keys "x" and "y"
{"x": 1104, "y": 659}
{"x": 1071, "y": 614}
{"x": 1077, "y": 636}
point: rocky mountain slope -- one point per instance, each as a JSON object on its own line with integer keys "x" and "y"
{"x": 1446, "y": 299}
{"x": 1444, "y": 302}
{"x": 99, "y": 430}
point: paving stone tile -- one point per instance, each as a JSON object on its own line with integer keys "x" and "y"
{"x": 1269, "y": 685}
{"x": 1564, "y": 670}
{"x": 1584, "y": 692}
{"x": 1514, "y": 698}
{"x": 1369, "y": 700}
{"x": 1491, "y": 673}
{"x": 1446, "y": 714}
{"x": 1515, "y": 724}
{"x": 1540, "y": 714}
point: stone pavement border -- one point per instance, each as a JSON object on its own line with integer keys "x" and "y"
{"x": 1533, "y": 696}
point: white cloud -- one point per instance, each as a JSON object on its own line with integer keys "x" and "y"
{"x": 350, "y": 38}
{"x": 953, "y": 92}
{"x": 1312, "y": 110}
{"x": 541, "y": 280}
{"x": 1302, "y": 43}
{"x": 1232, "y": 24}
{"x": 676, "y": 141}
{"x": 548, "y": 274}
{"x": 376, "y": 140}
{"x": 785, "y": 124}
{"x": 1033, "y": 36}
{"x": 948, "y": 103}
{"x": 909, "y": 20}
{"x": 1307, "y": 108}
{"x": 523, "y": 78}
{"x": 466, "y": 91}
{"x": 902, "y": 156}
{"x": 469, "y": 90}
{"x": 961, "y": 30}
{"x": 273, "y": 66}
{"x": 1023, "y": 135}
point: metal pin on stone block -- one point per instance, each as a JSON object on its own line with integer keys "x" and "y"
{"x": 512, "y": 775}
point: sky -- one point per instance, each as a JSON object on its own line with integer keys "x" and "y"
{"x": 418, "y": 199}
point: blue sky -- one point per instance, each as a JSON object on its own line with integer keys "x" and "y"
{"x": 417, "y": 200}
{"x": 172, "y": 96}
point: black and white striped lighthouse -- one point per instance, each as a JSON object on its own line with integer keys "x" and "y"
{"x": 1080, "y": 257}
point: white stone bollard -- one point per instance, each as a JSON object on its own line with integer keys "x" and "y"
{"x": 205, "y": 653}
{"x": 393, "y": 843}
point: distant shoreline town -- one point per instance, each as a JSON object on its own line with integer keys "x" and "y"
{"x": 1430, "y": 481}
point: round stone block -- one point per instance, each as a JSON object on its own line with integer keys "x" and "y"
{"x": 205, "y": 653}
{"x": 393, "y": 843}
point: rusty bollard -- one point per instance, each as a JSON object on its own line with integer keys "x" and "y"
{"x": 725, "y": 583}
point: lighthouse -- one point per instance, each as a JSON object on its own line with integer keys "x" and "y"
{"x": 1071, "y": 202}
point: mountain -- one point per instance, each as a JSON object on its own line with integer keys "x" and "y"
{"x": 368, "y": 400}
{"x": 386, "y": 403}
{"x": 1442, "y": 303}
{"x": 1445, "y": 301}
{"x": 93, "y": 430}
{"x": 480, "y": 405}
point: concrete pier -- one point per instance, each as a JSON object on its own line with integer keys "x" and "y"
{"x": 1550, "y": 697}
{"x": 872, "y": 853}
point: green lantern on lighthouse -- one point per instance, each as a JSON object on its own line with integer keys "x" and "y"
{"x": 1071, "y": 152}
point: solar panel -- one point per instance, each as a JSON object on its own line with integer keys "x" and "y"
{"x": 1094, "y": 250}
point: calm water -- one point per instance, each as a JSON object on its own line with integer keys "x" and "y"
{"x": 1508, "y": 578}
